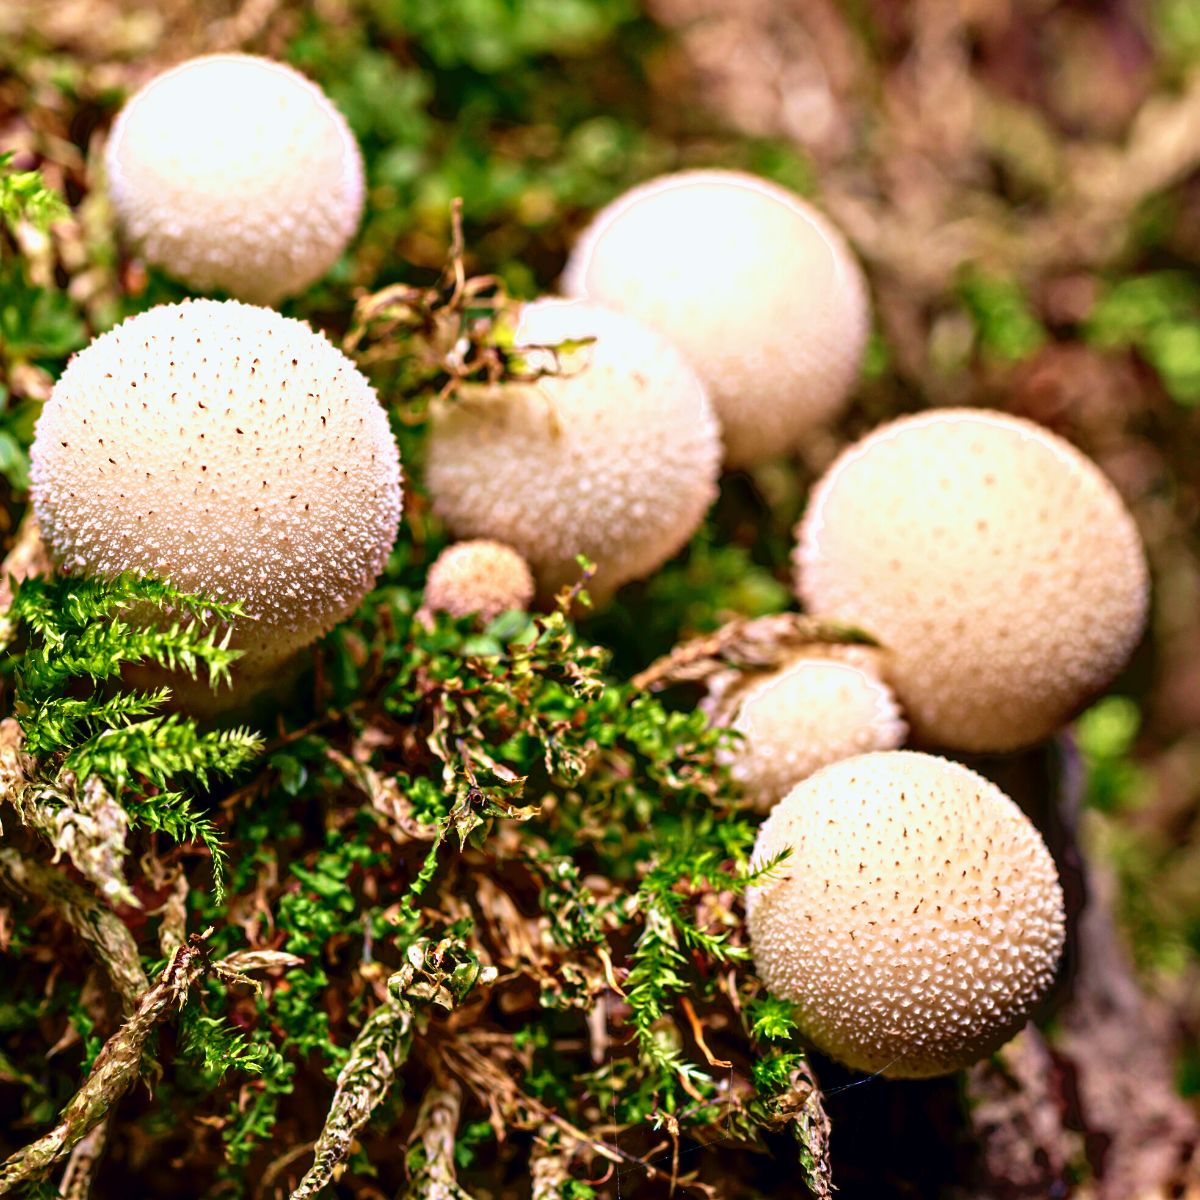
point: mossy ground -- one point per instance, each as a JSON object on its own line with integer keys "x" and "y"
{"x": 483, "y": 864}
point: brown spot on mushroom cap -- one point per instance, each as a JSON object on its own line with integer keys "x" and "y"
{"x": 918, "y": 920}
{"x": 753, "y": 284}
{"x": 807, "y": 715}
{"x": 481, "y": 576}
{"x": 215, "y": 475}
{"x": 993, "y": 560}
{"x": 236, "y": 172}
{"x": 616, "y": 458}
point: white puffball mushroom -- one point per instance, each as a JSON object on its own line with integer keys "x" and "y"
{"x": 807, "y": 715}
{"x": 615, "y": 458}
{"x": 238, "y": 173}
{"x": 993, "y": 560}
{"x": 481, "y": 576}
{"x": 752, "y": 283}
{"x": 231, "y": 451}
{"x": 918, "y": 920}
{"x": 726, "y": 687}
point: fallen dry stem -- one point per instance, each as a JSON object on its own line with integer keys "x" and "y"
{"x": 761, "y": 643}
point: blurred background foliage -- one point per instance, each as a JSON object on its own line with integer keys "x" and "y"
{"x": 1020, "y": 177}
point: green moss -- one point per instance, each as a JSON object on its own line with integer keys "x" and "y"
{"x": 1005, "y": 324}
{"x": 1157, "y": 314}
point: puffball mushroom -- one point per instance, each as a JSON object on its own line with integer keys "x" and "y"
{"x": 616, "y": 457}
{"x": 918, "y": 920}
{"x": 481, "y": 576}
{"x": 753, "y": 284}
{"x": 230, "y": 450}
{"x": 238, "y": 173}
{"x": 994, "y": 561}
{"x": 813, "y": 712}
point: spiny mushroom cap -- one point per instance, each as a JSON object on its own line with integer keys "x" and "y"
{"x": 993, "y": 560}
{"x": 725, "y": 689}
{"x": 482, "y": 576}
{"x": 755, "y": 286}
{"x": 918, "y": 920}
{"x": 615, "y": 458}
{"x": 806, "y": 716}
{"x": 237, "y": 173}
{"x": 230, "y": 450}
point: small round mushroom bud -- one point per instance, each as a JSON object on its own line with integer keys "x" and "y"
{"x": 481, "y": 577}
{"x": 994, "y": 561}
{"x": 237, "y": 173}
{"x": 918, "y": 920}
{"x": 754, "y": 285}
{"x": 227, "y": 449}
{"x": 615, "y": 457}
{"x": 814, "y": 712}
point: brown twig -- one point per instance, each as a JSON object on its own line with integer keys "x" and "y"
{"x": 698, "y": 1034}
{"x": 378, "y": 1052}
{"x": 402, "y": 321}
{"x": 760, "y": 643}
{"x": 497, "y": 1088}
{"x": 451, "y": 331}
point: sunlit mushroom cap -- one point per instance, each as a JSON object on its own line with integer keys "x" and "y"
{"x": 237, "y": 173}
{"x": 615, "y": 458}
{"x": 918, "y": 920}
{"x": 752, "y": 283}
{"x": 230, "y": 450}
{"x": 993, "y": 560}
